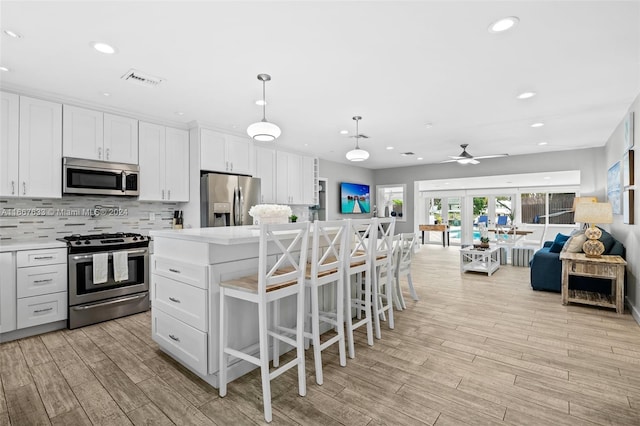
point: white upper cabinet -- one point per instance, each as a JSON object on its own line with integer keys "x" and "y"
{"x": 82, "y": 133}
{"x": 220, "y": 152}
{"x": 164, "y": 163}
{"x": 295, "y": 179}
{"x": 177, "y": 164}
{"x": 9, "y": 124}
{"x": 308, "y": 181}
{"x": 266, "y": 171}
{"x": 120, "y": 139}
{"x": 94, "y": 135}
{"x": 40, "y": 149}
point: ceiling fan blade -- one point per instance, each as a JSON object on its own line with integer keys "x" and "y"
{"x": 492, "y": 156}
{"x": 465, "y": 161}
{"x": 473, "y": 161}
{"x": 450, "y": 161}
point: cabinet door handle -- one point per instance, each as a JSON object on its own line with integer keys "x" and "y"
{"x": 163, "y": 194}
{"x": 42, "y": 257}
{"x": 43, "y": 281}
{"x": 231, "y": 165}
{"x": 174, "y": 338}
{"x": 226, "y": 165}
{"x": 39, "y": 311}
{"x": 13, "y": 187}
{"x": 168, "y": 194}
{"x": 24, "y": 188}
{"x": 107, "y": 152}
{"x": 99, "y": 153}
{"x": 174, "y": 270}
{"x": 174, "y": 300}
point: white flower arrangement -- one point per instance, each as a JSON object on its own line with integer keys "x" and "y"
{"x": 270, "y": 213}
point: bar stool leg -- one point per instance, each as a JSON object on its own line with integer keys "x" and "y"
{"x": 315, "y": 332}
{"x": 367, "y": 307}
{"x": 264, "y": 361}
{"x": 276, "y": 343}
{"x": 302, "y": 382}
{"x": 349, "y": 319}
{"x": 340, "y": 320}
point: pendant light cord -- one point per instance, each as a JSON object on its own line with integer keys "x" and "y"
{"x": 264, "y": 103}
{"x": 357, "y": 135}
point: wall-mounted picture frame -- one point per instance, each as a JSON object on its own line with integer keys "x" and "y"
{"x": 627, "y": 206}
{"x": 614, "y": 183}
{"x": 628, "y": 131}
{"x": 628, "y": 169}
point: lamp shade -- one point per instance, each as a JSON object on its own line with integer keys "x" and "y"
{"x": 594, "y": 213}
{"x": 357, "y": 155}
{"x": 264, "y": 131}
{"x": 577, "y": 200}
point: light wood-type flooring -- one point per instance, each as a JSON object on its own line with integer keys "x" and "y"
{"x": 474, "y": 350}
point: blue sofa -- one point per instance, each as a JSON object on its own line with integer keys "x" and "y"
{"x": 546, "y": 268}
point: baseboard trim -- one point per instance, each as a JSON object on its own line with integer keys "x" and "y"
{"x": 635, "y": 313}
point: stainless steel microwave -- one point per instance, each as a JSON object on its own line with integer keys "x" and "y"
{"x": 99, "y": 177}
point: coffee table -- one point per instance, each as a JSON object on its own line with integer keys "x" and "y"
{"x": 485, "y": 260}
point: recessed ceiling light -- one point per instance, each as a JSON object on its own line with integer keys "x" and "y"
{"x": 261, "y": 102}
{"x": 419, "y": 158}
{"x": 526, "y": 95}
{"x": 537, "y": 125}
{"x": 428, "y": 125}
{"x": 103, "y": 48}
{"x": 5, "y": 69}
{"x": 503, "y": 24}
{"x": 547, "y": 177}
{"x": 389, "y": 147}
{"x": 107, "y": 94}
{"x": 179, "y": 113}
{"x": 344, "y": 132}
{"x": 306, "y": 144}
{"x": 12, "y": 34}
{"x": 446, "y": 183}
{"x": 542, "y": 143}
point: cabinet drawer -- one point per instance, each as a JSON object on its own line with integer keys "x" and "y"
{"x": 189, "y": 273}
{"x": 41, "y": 257}
{"x": 39, "y": 280}
{"x": 182, "y": 341}
{"x": 183, "y": 301}
{"x": 38, "y": 310}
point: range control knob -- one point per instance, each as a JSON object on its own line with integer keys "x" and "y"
{"x": 78, "y": 243}
{"x": 87, "y": 242}
{"x": 135, "y": 238}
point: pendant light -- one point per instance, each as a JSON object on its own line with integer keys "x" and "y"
{"x": 264, "y": 131}
{"x": 357, "y": 154}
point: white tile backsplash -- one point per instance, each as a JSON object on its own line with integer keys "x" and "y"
{"x": 28, "y": 219}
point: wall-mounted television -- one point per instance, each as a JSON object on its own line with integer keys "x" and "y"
{"x": 354, "y": 198}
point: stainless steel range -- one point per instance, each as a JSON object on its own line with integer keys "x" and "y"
{"x": 104, "y": 298}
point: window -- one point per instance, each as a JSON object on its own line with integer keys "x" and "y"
{"x": 390, "y": 201}
{"x": 551, "y": 208}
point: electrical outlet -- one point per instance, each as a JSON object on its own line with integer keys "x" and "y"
{"x": 152, "y": 216}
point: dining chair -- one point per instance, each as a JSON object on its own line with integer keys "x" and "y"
{"x": 282, "y": 257}
{"x": 405, "y": 256}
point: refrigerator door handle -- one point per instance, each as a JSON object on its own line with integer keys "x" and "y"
{"x": 241, "y": 209}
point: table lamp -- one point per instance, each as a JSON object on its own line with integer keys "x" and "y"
{"x": 577, "y": 200}
{"x": 593, "y": 213}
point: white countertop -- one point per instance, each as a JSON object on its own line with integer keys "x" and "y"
{"x": 225, "y": 235}
{"x": 8, "y": 245}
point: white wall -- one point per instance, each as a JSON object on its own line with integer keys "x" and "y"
{"x": 588, "y": 161}
{"x": 629, "y": 235}
{"x": 338, "y": 172}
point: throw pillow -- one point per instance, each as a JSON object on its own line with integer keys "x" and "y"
{"x": 558, "y": 243}
{"x": 607, "y": 240}
{"x": 574, "y": 244}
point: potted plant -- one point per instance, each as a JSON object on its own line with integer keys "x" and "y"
{"x": 484, "y": 242}
{"x": 397, "y": 208}
{"x": 293, "y": 218}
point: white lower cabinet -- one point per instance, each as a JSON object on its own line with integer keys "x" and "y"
{"x": 7, "y": 292}
{"x": 41, "y": 286}
{"x": 184, "y": 302}
{"x": 184, "y": 342}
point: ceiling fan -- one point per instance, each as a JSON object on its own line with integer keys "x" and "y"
{"x": 466, "y": 158}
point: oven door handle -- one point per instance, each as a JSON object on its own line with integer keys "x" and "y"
{"x": 110, "y": 302}
{"x": 90, "y": 256}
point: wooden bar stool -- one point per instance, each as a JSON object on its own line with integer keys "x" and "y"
{"x": 358, "y": 263}
{"x": 382, "y": 260}
{"x": 288, "y": 244}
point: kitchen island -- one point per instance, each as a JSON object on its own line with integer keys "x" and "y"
{"x": 187, "y": 267}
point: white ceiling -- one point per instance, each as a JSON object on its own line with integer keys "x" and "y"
{"x": 399, "y": 65}
{"x": 524, "y": 180}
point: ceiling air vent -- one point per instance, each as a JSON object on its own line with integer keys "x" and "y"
{"x": 141, "y": 78}
{"x": 408, "y": 153}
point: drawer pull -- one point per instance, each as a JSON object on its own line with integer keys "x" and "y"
{"x": 174, "y": 338}
{"x": 43, "y": 281}
{"x": 43, "y": 257}
{"x": 174, "y": 270}
{"x": 173, "y": 299}
{"x": 39, "y": 311}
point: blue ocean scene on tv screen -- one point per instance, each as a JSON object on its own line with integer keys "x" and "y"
{"x": 354, "y": 198}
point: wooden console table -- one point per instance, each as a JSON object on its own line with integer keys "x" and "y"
{"x": 605, "y": 267}
{"x": 436, "y": 228}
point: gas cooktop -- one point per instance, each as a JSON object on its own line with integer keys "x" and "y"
{"x": 105, "y": 240}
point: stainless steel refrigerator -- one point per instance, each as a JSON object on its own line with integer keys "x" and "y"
{"x": 225, "y": 200}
